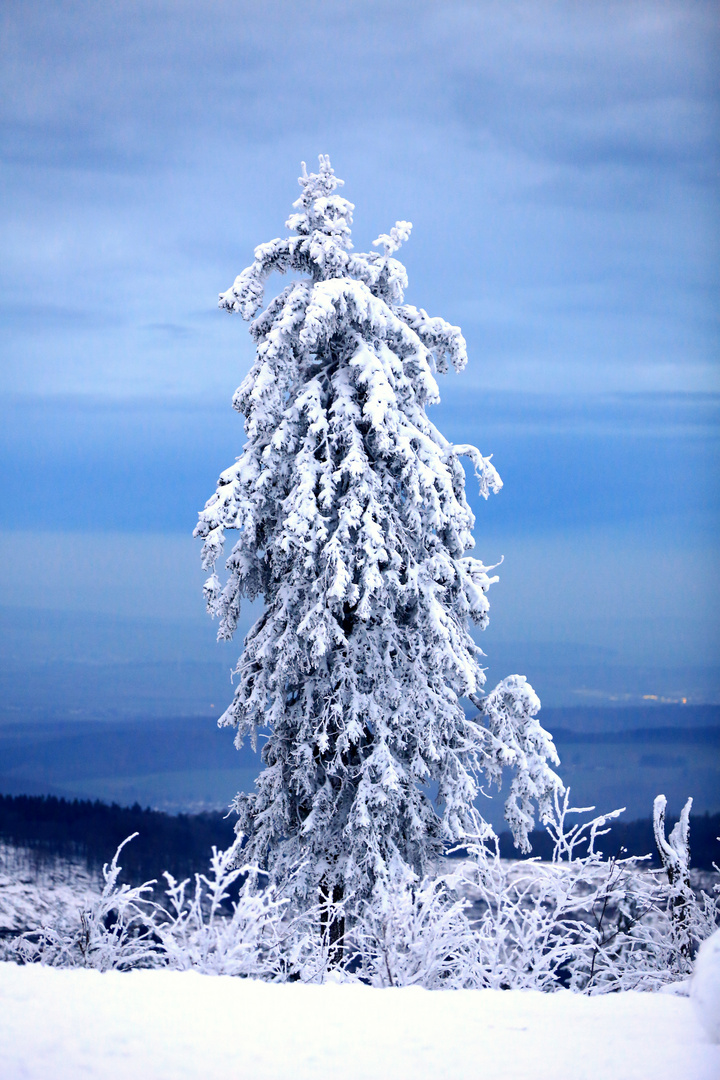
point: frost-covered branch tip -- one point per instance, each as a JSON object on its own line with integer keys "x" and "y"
{"x": 486, "y": 473}
{"x": 392, "y": 241}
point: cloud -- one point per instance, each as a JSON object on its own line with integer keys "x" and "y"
{"x": 556, "y": 159}
{"x": 629, "y": 84}
{"x": 641, "y": 461}
{"x": 561, "y": 81}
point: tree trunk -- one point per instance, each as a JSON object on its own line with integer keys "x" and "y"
{"x": 332, "y": 922}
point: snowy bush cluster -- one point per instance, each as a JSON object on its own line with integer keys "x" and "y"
{"x": 580, "y": 921}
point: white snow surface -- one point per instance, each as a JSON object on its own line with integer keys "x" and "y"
{"x": 705, "y": 986}
{"x": 67, "y": 1024}
{"x": 52, "y": 893}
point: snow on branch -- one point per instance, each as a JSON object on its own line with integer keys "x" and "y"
{"x": 392, "y": 241}
{"x": 518, "y": 741}
{"x": 485, "y": 471}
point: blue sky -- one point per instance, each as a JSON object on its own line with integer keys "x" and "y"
{"x": 559, "y": 163}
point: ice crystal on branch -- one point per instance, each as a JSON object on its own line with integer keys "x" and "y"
{"x": 352, "y": 524}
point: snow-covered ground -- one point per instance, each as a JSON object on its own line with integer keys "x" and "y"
{"x": 51, "y": 892}
{"x": 153, "y": 1025}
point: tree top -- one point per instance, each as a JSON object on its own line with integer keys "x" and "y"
{"x": 321, "y": 248}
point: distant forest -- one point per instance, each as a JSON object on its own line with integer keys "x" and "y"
{"x": 92, "y": 831}
{"x": 51, "y": 827}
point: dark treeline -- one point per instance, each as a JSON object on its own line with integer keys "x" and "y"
{"x": 53, "y": 827}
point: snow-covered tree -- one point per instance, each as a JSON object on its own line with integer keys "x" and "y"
{"x": 353, "y": 526}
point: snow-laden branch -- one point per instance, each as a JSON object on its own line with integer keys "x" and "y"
{"x": 485, "y": 471}
{"x": 393, "y": 241}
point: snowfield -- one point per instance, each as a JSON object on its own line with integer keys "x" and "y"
{"x": 50, "y": 893}
{"x": 153, "y": 1025}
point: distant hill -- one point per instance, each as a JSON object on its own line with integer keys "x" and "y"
{"x": 181, "y": 843}
{"x": 92, "y": 831}
{"x": 573, "y": 720}
{"x": 610, "y": 758}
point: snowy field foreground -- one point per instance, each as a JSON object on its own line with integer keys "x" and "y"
{"x": 68, "y": 1024}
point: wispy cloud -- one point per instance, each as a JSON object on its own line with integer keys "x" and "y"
{"x": 557, "y": 160}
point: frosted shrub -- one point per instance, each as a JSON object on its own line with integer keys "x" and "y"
{"x": 116, "y": 932}
{"x": 197, "y": 932}
{"x": 652, "y": 920}
{"x": 582, "y": 921}
{"x": 200, "y": 929}
{"x": 414, "y": 933}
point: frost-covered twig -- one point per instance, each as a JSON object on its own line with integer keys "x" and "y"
{"x": 674, "y": 854}
{"x": 116, "y": 932}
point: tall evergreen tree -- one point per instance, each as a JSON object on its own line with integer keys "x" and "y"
{"x": 353, "y": 526}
